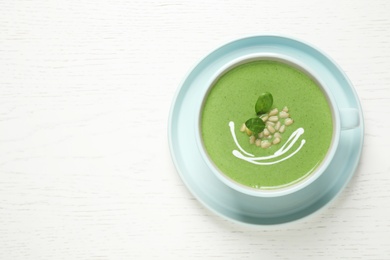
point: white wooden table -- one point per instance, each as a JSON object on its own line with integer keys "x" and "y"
{"x": 85, "y": 92}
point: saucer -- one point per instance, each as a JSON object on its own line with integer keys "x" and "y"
{"x": 244, "y": 208}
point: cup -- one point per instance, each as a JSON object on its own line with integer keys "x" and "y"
{"x": 343, "y": 118}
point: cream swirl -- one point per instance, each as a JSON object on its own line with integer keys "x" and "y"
{"x": 284, "y": 149}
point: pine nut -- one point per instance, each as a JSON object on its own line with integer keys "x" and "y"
{"x": 265, "y": 144}
{"x": 271, "y": 129}
{"x": 273, "y": 118}
{"x": 266, "y": 132}
{"x": 243, "y": 127}
{"x": 258, "y": 142}
{"x": 261, "y": 135}
{"x": 285, "y": 109}
{"x": 283, "y": 114}
{"x": 252, "y": 139}
{"x": 248, "y": 132}
{"x": 278, "y": 135}
{"x": 277, "y": 126}
{"x": 274, "y": 112}
{"x": 270, "y": 123}
{"x": 282, "y": 128}
{"x": 264, "y": 117}
{"x": 288, "y": 121}
{"x": 276, "y": 140}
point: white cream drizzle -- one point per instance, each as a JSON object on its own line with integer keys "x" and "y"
{"x": 231, "y": 125}
{"x": 255, "y": 160}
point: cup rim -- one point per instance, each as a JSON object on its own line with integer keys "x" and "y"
{"x": 300, "y": 184}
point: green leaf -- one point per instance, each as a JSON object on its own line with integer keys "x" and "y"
{"x": 264, "y": 103}
{"x": 256, "y": 125}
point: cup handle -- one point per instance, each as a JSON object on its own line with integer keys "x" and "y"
{"x": 349, "y": 118}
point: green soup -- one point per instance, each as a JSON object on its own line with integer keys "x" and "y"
{"x": 232, "y": 98}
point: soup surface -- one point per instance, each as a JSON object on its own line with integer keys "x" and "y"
{"x": 231, "y": 102}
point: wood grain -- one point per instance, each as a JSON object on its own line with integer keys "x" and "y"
{"x": 85, "y": 92}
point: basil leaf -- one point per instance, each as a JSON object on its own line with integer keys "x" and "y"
{"x": 264, "y": 103}
{"x": 256, "y": 125}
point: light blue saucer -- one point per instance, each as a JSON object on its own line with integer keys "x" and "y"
{"x": 216, "y": 195}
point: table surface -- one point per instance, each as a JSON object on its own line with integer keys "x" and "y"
{"x": 85, "y": 92}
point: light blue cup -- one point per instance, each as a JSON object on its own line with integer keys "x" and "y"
{"x": 344, "y": 118}
{"x": 242, "y": 204}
